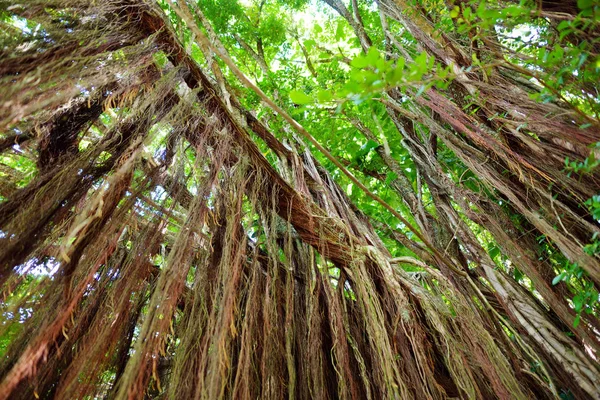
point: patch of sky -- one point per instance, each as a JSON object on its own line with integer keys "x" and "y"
{"x": 36, "y": 267}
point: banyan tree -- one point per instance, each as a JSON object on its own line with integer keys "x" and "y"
{"x": 365, "y": 199}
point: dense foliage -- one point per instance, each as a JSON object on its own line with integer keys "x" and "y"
{"x": 300, "y": 198}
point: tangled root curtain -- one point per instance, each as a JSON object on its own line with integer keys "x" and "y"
{"x": 229, "y": 263}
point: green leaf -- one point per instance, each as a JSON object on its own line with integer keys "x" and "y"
{"x": 455, "y": 11}
{"x": 381, "y": 65}
{"x": 390, "y": 177}
{"x": 585, "y": 4}
{"x": 578, "y": 302}
{"x": 494, "y": 251}
{"x": 421, "y": 61}
{"x": 372, "y": 56}
{"x": 359, "y": 61}
{"x": 513, "y": 11}
{"x": 324, "y": 96}
{"x": 309, "y": 44}
{"x": 299, "y": 97}
{"x": 468, "y": 14}
{"x": 558, "y": 278}
{"x": 518, "y": 274}
{"x": 397, "y": 75}
{"x": 370, "y": 145}
{"x": 563, "y": 25}
{"x": 422, "y": 89}
{"x": 339, "y": 31}
{"x": 577, "y": 321}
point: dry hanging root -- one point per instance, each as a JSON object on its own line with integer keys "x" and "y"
{"x": 199, "y": 271}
